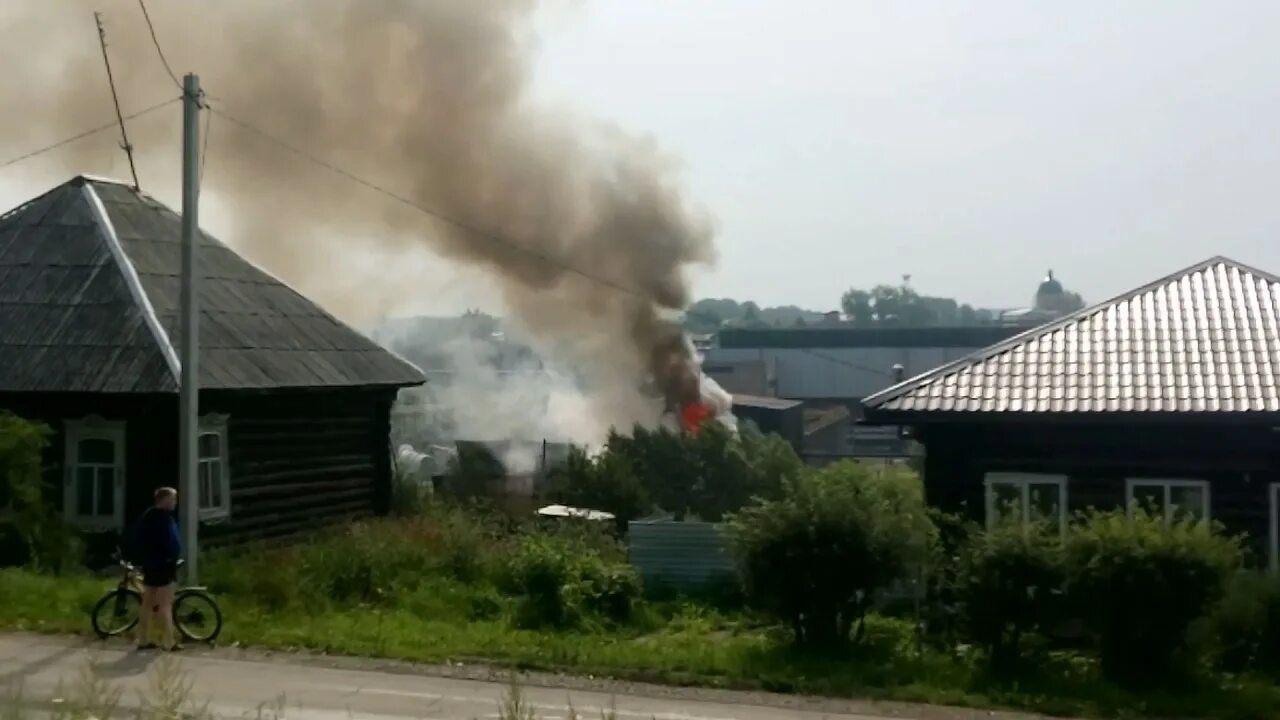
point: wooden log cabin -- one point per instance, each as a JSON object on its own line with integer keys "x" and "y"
{"x": 1166, "y": 396}
{"x": 295, "y": 406}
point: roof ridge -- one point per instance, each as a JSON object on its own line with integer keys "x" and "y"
{"x": 898, "y": 390}
{"x": 140, "y": 297}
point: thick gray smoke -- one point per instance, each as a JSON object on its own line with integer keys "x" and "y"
{"x": 430, "y": 98}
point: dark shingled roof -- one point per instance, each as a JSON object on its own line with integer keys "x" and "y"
{"x": 89, "y": 303}
{"x": 1203, "y": 340}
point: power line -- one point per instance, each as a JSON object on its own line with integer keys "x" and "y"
{"x": 87, "y": 133}
{"x": 156, "y": 41}
{"x": 204, "y": 151}
{"x": 115, "y": 100}
{"x": 437, "y": 214}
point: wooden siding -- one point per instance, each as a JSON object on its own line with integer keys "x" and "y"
{"x": 304, "y": 460}
{"x": 298, "y": 460}
{"x": 1238, "y": 462}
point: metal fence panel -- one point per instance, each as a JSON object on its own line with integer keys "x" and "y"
{"x": 679, "y": 555}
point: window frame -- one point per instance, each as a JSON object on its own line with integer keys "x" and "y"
{"x": 1168, "y": 484}
{"x": 1273, "y": 492}
{"x": 214, "y": 425}
{"x": 1024, "y": 481}
{"x": 93, "y": 427}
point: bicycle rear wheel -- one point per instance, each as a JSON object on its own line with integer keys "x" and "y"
{"x": 116, "y": 613}
{"x": 197, "y": 616}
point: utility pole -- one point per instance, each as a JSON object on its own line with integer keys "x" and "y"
{"x": 189, "y": 385}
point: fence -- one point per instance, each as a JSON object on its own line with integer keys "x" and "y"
{"x": 682, "y": 556}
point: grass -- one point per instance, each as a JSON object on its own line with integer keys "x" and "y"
{"x": 433, "y": 589}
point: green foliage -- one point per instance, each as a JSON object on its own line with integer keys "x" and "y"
{"x": 709, "y": 315}
{"x": 373, "y": 563}
{"x": 1009, "y": 582}
{"x": 560, "y": 584}
{"x": 1242, "y": 632}
{"x": 816, "y": 557}
{"x": 1140, "y": 583}
{"x": 901, "y": 306}
{"x": 606, "y": 482}
{"x": 708, "y": 474}
{"x": 36, "y": 529}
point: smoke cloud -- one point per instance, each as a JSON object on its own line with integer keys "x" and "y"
{"x": 428, "y": 98}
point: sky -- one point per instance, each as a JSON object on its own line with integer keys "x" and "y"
{"x": 970, "y": 145}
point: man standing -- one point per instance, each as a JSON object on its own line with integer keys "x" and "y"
{"x": 157, "y": 549}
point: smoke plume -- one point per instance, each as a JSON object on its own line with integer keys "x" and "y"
{"x": 428, "y": 98}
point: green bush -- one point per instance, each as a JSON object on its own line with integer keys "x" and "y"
{"x": 1140, "y": 583}
{"x": 1009, "y": 580}
{"x": 816, "y": 557}
{"x": 1242, "y": 632}
{"x": 562, "y": 583}
{"x": 606, "y": 482}
{"x": 34, "y": 531}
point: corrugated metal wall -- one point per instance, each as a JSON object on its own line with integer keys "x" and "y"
{"x": 826, "y": 373}
{"x": 679, "y": 555}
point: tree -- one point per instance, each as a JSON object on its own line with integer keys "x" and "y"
{"x": 901, "y": 306}
{"x": 606, "y": 482}
{"x": 817, "y": 556}
{"x": 706, "y": 475}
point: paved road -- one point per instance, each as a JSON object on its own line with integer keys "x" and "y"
{"x": 236, "y": 687}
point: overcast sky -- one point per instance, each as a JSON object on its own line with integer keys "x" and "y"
{"x": 972, "y": 145}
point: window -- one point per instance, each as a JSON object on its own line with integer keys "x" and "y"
{"x": 94, "y": 497}
{"x": 1174, "y": 499}
{"x": 213, "y": 477}
{"x": 1028, "y": 497}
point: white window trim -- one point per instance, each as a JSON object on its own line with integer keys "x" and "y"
{"x": 93, "y": 427}
{"x": 1275, "y": 527}
{"x": 1024, "y": 481}
{"x": 217, "y": 425}
{"x": 1167, "y": 484}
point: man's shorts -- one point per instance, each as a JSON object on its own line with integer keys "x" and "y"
{"x": 157, "y": 576}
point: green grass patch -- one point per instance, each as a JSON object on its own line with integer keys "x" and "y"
{"x": 439, "y": 588}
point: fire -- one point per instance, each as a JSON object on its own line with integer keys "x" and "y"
{"x": 694, "y": 414}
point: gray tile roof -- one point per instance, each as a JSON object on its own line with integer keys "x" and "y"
{"x": 1203, "y": 340}
{"x": 89, "y": 303}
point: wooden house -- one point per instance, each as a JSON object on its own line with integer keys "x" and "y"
{"x": 295, "y": 405}
{"x": 1167, "y": 396}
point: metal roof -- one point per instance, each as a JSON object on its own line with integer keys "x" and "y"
{"x": 844, "y": 336}
{"x": 1202, "y": 340}
{"x": 764, "y": 403}
{"x": 89, "y": 303}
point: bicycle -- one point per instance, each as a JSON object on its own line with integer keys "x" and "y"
{"x": 196, "y": 614}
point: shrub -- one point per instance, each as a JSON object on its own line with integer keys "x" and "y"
{"x": 561, "y": 583}
{"x": 37, "y": 534}
{"x": 1008, "y": 580}
{"x": 606, "y": 482}
{"x": 1242, "y": 632}
{"x": 816, "y": 557}
{"x": 1140, "y": 583}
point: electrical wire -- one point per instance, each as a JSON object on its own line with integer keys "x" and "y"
{"x": 87, "y": 133}
{"x": 156, "y": 41}
{"x": 204, "y": 150}
{"x": 437, "y": 214}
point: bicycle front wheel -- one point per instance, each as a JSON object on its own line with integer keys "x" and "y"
{"x": 116, "y": 613}
{"x": 197, "y": 616}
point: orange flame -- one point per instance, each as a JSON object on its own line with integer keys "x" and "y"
{"x": 693, "y": 415}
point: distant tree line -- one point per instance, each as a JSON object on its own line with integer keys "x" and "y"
{"x": 881, "y": 306}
